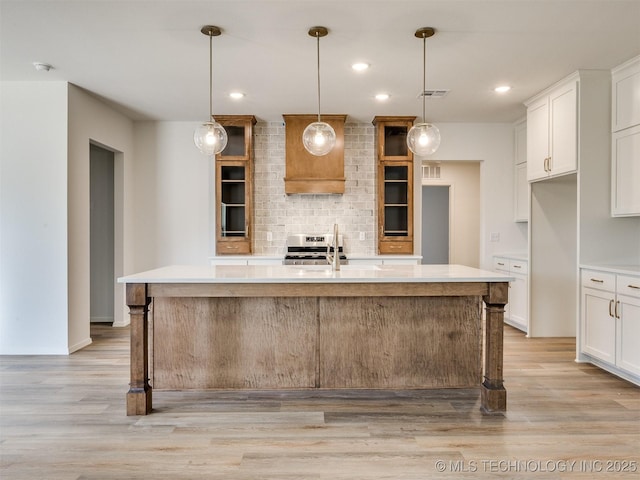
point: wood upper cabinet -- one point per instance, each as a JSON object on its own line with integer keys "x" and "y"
{"x": 395, "y": 185}
{"x": 234, "y": 186}
{"x": 307, "y": 173}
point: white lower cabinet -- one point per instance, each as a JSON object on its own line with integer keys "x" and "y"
{"x": 516, "y": 311}
{"x": 610, "y": 322}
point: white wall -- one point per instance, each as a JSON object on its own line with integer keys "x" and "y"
{"x": 46, "y": 130}
{"x": 493, "y": 145}
{"x": 171, "y": 196}
{"x": 90, "y": 120}
{"x": 33, "y": 218}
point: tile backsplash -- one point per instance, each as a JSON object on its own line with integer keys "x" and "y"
{"x": 281, "y": 215}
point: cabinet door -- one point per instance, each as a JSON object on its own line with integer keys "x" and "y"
{"x": 625, "y": 172}
{"x": 599, "y": 324}
{"x": 537, "y": 139}
{"x": 563, "y": 109}
{"x": 628, "y": 347}
{"x": 234, "y": 206}
{"x": 521, "y": 194}
{"x": 395, "y": 208}
{"x": 520, "y": 138}
{"x": 501, "y": 264}
{"x": 626, "y": 88}
{"x": 391, "y": 138}
{"x": 518, "y": 301}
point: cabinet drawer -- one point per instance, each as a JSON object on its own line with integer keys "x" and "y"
{"x": 396, "y": 247}
{"x": 238, "y": 248}
{"x": 501, "y": 264}
{"x": 598, "y": 280}
{"x": 518, "y": 266}
{"x": 628, "y": 286}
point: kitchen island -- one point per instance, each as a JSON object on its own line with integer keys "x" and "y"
{"x": 308, "y": 327}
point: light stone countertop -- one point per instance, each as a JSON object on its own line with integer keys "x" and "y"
{"x": 315, "y": 274}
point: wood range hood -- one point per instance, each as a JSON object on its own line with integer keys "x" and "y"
{"x": 307, "y": 173}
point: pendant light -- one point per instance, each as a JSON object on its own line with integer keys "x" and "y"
{"x": 319, "y": 137}
{"x": 210, "y": 137}
{"x": 424, "y": 138}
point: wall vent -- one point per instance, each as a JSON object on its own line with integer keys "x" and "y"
{"x": 430, "y": 171}
{"x": 434, "y": 93}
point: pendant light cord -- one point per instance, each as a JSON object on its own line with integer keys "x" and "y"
{"x": 318, "y": 57}
{"x": 424, "y": 76}
{"x": 211, "y": 78}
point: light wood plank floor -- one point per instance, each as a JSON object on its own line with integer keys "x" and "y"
{"x": 64, "y": 418}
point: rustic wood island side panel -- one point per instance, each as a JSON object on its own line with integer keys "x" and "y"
{"x": 400, "y": 342}
{"x": 258, "y": 343}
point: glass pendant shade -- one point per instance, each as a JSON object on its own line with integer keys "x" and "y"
{"x": 319, "y": 138}
{"x": 423, "y": 139}
{"x": 210, "y": 138}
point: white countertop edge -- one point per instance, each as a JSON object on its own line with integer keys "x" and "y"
{"x": 313, "y": 274}
{"x": 621, "y": 269}
{"x": 513, "y": 256}
{"x": 350, "y": 256}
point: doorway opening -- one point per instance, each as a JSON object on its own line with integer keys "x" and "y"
{"x": 102, "y": 234}
{"x": 450, "y": 213}
{"x": 435, "y": 224}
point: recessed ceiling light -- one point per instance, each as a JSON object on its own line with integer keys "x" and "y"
{"x": 382, "y": 96}
{"x": 42, "y": 67}
{"x": 502, "y": 89}
{"x": 360, "y": 66}
{"x": 236, "y": 95}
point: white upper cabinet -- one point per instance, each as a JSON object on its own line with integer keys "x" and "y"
{"x": 625, "y": 172}
{"x": 521, "y": 186}
{"x": 552, "y": 131}
{"x": 625, "y": 85}
{"x": 625, "y": 141}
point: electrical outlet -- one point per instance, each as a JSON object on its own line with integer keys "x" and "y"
{"x": 362, "y": 236}
{"x": 269, "y": 236}
{"x": 495, "y": 236}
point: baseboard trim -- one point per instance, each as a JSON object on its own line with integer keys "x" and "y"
{"x": 79, "y": 345}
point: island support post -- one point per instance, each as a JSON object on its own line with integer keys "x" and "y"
{"x": 139, "y": 395}
{"x": 493, "y": 395}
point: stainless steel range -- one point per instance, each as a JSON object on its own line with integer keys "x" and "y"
{"x": 305, "y": 249}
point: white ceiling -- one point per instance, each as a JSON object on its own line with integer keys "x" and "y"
{"x": 150, "y": 60}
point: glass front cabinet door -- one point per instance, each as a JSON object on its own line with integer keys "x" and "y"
{"x": 395, "y": 185}
{"x": 234, "y": 186}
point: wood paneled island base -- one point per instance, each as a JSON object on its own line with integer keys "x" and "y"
{"x": 324, "y": 335}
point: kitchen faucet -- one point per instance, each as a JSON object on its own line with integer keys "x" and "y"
{"x": 334, "y": 260}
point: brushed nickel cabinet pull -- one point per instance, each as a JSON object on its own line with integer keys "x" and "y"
{"x": 633, "y": 286}
{"x": 617, "y": 306}
{"x": 610, "y": 308}
{"x": 517, "y": 266}
{"x": 501, "y": 264}
{"x": 597, "y": 280}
